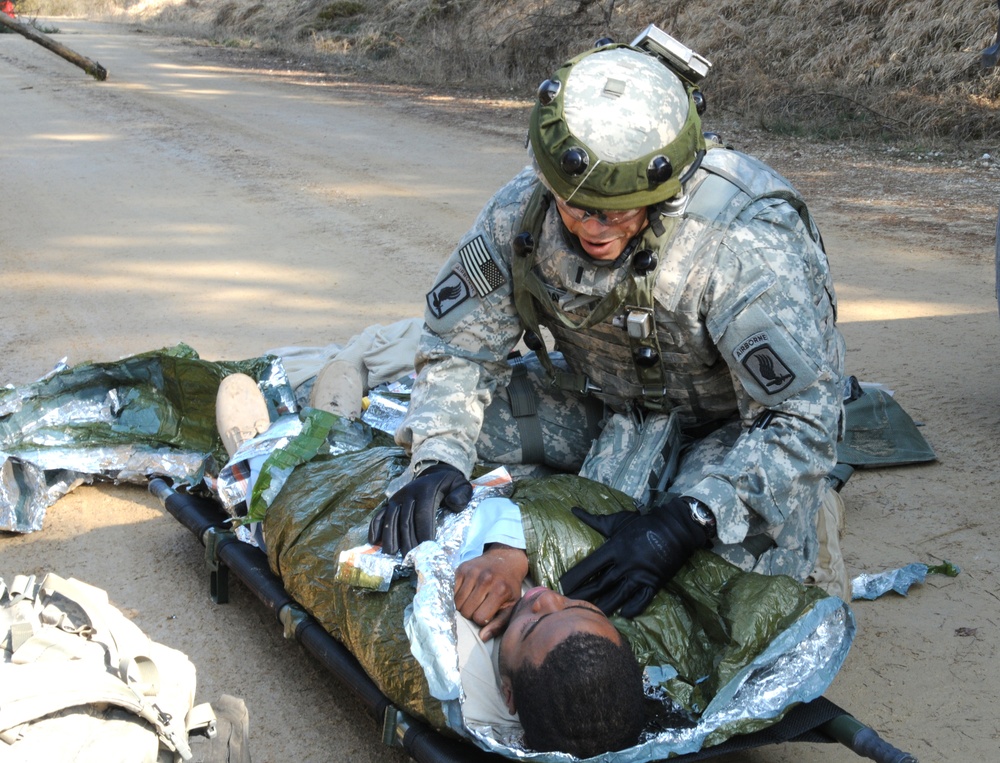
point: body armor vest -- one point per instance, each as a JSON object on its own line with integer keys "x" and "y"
{"x": 638, "y": 337}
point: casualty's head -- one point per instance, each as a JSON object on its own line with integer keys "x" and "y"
{"x": 612, "y": 132}
{"x": 571, "y": 676}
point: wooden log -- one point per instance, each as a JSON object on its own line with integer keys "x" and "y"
{"x": 92, "y": 68}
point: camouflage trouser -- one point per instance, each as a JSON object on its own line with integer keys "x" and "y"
{"x": 567, "y": 424}
{"x": 559, "y": 433}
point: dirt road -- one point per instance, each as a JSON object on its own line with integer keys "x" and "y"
{"x": 188, "y": 199}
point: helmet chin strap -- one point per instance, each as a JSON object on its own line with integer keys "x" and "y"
{"x": 689, "y": 172}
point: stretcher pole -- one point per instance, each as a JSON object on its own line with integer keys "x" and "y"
{"x": 864, "y": 741}
{"x": 209, "y": 523}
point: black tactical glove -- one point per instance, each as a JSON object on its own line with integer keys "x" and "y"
{"x": 407, "y": 518}
{"x": 642, "y": 552}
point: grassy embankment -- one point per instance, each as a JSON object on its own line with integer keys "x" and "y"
{"x": 889, "y": 69}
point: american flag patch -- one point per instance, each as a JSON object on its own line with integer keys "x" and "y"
{"x": 480, "y": 267}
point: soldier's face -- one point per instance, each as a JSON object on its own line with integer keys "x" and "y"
{"x": 540, "y": 621}
{"x": 603, "y": 235}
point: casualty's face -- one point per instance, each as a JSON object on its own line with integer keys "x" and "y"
{"x": 543, "y": 619}
{"x": 602, "y": 234}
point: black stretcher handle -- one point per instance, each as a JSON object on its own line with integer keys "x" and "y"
{"x": 197, "y": 514}
{"x": 864, "y": 741}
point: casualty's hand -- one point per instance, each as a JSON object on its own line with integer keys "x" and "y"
{"x": 407, "y": 518}
{"x": 488, "y": 587}
{"x": 642, "y": 552}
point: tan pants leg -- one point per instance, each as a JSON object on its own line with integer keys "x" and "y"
{"x": 831, "y": 572}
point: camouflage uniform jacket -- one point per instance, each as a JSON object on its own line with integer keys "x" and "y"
{"x": 745, "y": 316}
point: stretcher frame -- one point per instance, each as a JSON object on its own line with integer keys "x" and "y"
{"x": 818, "y": 721}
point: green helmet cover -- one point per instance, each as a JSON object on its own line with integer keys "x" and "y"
{"x": 623, "y": 107}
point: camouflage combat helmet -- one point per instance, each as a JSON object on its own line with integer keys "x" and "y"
{"x": 615, "y": 128}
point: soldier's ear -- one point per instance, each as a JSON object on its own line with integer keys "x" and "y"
{"x": 508, "y": 694}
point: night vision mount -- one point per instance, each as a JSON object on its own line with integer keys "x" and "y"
{"x": 678, "y": 56}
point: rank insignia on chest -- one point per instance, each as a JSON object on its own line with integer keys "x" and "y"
{"x": 447, "y": 294}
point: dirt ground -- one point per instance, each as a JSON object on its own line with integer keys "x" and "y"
{"x": 239, "y": 204}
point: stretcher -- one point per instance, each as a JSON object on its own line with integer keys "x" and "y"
{"x": 818, "y": 721}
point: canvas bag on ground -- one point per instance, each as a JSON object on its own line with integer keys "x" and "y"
{"x": 80, "y": 682}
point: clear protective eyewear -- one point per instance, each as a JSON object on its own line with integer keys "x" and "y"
{"x": 603, "y": 216}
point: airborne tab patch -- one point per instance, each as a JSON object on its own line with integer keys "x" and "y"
{"x": 447, "y": 294}
{"x": 763, "y": 363}
{"x": 479, "y": 265}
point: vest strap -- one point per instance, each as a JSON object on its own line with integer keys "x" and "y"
{"x": 525, "y": 412}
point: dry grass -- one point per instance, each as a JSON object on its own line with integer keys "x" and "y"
{"x": 840, "y": 68}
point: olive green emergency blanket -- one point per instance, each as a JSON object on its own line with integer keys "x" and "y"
{"x": 323, "y": 509}
{"x": 152, "y": 413}
{"x": 710, "y": 620}
{"x": 705, "y": 639}
{"x": 319, "y": 431}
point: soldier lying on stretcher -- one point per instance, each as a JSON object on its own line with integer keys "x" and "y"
{"x": 531, "y": 658}
{"x": 553, "y": 668}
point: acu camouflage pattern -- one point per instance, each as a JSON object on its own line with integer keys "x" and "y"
{"x": 623, "y": 87}
{"x": 744, "y": 262}
{"x": 624, "y": 107}
{"x": 699, "y": 389}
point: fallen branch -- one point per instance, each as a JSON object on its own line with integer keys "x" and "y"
{"x": 92, "y": 68}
